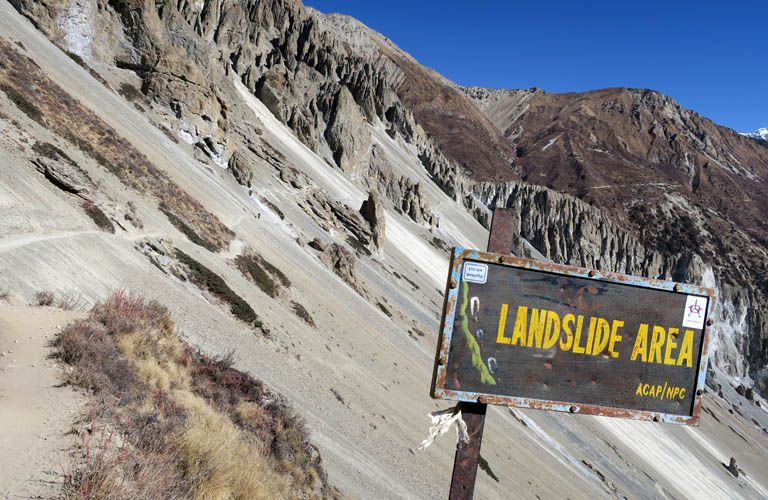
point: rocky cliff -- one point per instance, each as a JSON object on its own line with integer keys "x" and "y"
{"x": 663, "y": 176}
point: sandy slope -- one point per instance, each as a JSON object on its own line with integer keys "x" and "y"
{"x": 35, "y": 414}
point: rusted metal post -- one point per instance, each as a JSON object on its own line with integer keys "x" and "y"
{"x": 467, "y": 454}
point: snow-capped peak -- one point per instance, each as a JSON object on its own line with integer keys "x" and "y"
{"x": 761, "y": 133}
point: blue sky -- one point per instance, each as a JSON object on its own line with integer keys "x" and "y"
{"x": 710, "y": 57}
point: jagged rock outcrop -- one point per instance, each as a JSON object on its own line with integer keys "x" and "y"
{"x": 350, "y": 146}
{"x": 373, "y": 212}
{"x": 567, "y": 230}
{"x": 407, "y": 195}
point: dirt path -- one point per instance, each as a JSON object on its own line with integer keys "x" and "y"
{"x": 29, "y": 239}
{"x": 35, "y": 415}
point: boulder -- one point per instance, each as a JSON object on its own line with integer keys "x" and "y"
{"x": 372, "y": 211}
{"x": 340, "y": 260}
{"x": 64, "y": 174}
{"x": 241, "y": 169}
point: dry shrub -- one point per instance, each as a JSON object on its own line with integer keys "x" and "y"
{"x": 44, "y": 298}
{"x": 106, "y": 470}
{"x": 99, "y": 365}
{"x": 72, "y": 301}
{"x": 4, "y": 296}
{"x": 187, "y": 231}
{"x": 189, "y": 425}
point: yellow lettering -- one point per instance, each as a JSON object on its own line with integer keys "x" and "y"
{"x": 671, "y": 393}
{"x": 500, "y": 338}
{"x": 657, "y": 340}
{"x": 568, "y": 318}
{"x": 577, "y": 349}
{"x": 553, "y": 330}
{"x": 602, "y": 337}
{"x": 591, "y": 334}
{"x": 537, "y": 327}
{"x": 641, "y": 343}
{"x": 686, "y": 350}
{"x": 521, "y": 326}
{"x": 675, "y": 392}
{"x": 682, "y": 393}
{"x": 615, "y": 337}
{"x": 671, "y": 344}
{"x": 646, "y": 389}
{"x": 639, "y": 391}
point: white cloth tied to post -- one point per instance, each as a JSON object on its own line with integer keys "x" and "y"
{"x": 442, "y": 421}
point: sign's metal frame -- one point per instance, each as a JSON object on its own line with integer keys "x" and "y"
{"x": 460, "y": 255}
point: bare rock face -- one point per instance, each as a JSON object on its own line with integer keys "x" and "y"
{"x": 350, "y": 146}
{"x": 372, "y": 211}
{"x": 404, "y": 193}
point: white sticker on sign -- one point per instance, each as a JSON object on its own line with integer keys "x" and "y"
{"x": 475, "y": 273}
{"x": 695, "y": 310}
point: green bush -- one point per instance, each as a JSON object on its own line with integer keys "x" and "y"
{"x": 76, "y": 58}
{"x": 275, "y": 272}
{"x": 98, "y": 216}
{"x": 205, "y": 278}
{"x": 251, "y": 267}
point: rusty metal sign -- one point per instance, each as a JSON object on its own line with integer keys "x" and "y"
{"x": 525, "y": 333}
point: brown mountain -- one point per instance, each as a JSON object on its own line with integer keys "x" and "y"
{"x": 672, "y": 176}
